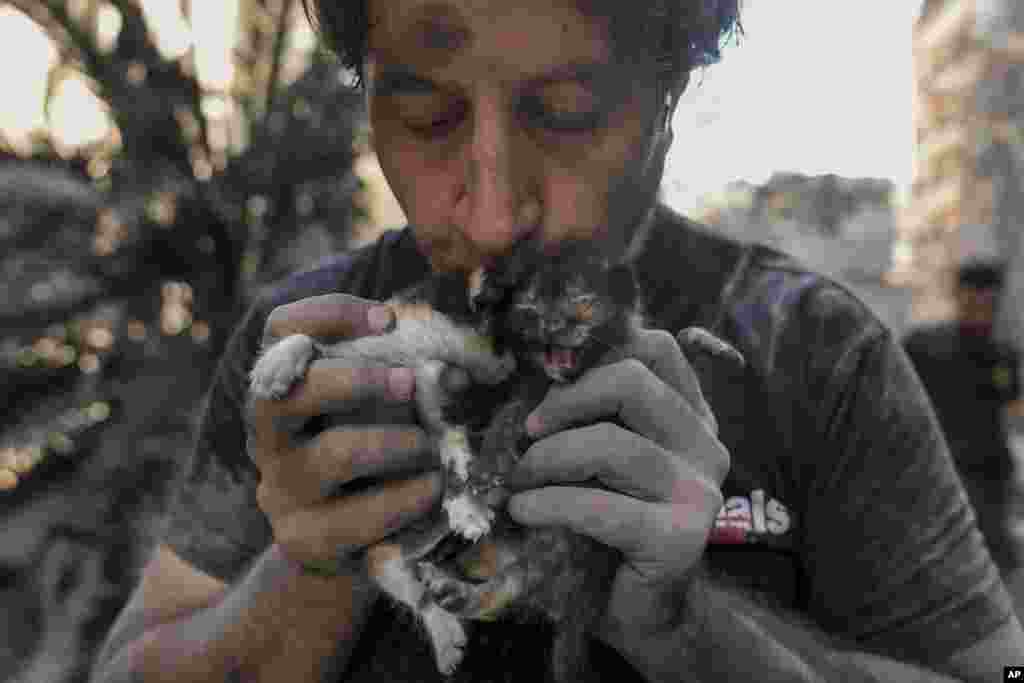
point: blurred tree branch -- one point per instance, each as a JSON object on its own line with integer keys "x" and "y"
{"x": 277, "y": 54}
{"x": 128, "y": 261}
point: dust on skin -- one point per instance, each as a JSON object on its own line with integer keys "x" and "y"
{"x": 496, "y": 175}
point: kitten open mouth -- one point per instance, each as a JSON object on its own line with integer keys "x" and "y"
{"x": 560, "y": 363}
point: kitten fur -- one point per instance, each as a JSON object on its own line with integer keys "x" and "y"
{"x": 532, "y": 320}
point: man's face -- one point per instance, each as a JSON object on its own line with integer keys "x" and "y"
{"x": 497, "y": 120}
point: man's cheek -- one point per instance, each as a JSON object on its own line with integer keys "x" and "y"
{"x": 577, "y": 209}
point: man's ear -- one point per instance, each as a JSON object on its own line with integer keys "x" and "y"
{"x": 622, "y": 285}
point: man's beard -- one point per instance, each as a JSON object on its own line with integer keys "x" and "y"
{"x": 630, "y": 204}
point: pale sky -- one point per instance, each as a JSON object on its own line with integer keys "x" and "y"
{"x": 815, "y": 86}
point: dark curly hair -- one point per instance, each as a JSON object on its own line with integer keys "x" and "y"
{"x": 686, "y": 33}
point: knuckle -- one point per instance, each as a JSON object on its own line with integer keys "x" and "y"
{"x": 662, "y": 343}
{"x": 608, "y": 432}
{"x": 710, "y": 419}
{"x": 632, "y": 367}
{"x": 720, "y": 461}
{"x": 661, "y": 526}
{"x": 632, "y": 375}
{"x": 354, "y": 454}
{"x": 602, "y": 447}
{"x": 333, "y": 448}
{"x": 374, "y": 381}
{"x": 717, "y": 498}
{"x": 368, "y": 444}
{"x": 614, "y": 441}
{"x": 275, "y": 322}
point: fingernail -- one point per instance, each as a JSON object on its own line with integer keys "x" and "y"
{"x": 380, "y": 319}
{"x": 401, "y": 383}
{"x": 534, "y": 425}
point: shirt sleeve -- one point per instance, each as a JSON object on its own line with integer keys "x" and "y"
{"x": 892, "y": 550}
{"x": 213, "y": 521}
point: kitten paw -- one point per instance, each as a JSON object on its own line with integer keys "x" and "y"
{"x": 468, "y": 516}
{"x": 280, "y": 366}
{"x": 448, "y": 637}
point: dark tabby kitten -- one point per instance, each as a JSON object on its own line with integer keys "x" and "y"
{"x": 532, "y": 320}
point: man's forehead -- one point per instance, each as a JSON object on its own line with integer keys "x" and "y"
{"x": 430, "y": 34}
{"x": 438, "y": 26}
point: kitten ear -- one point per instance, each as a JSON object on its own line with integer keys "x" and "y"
{"x": 622, "y": 285}
{"x": 475, "y": 286}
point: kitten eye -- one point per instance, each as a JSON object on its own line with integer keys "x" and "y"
{"x": 583, "y": 308}
{"x": 585, "y": 311}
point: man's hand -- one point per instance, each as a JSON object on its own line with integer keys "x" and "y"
{"x": 657, "y": 476}
{"x": 298, "y": 473}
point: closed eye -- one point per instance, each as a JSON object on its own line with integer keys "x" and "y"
{"x": 437, "y": 123}
{"x": 583, "y": 308}
{"x": 540, "y": 113}
{"x": 423, "y": 106}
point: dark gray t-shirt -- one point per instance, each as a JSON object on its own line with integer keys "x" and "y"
{"x": 842, "y": 502}
{"x": 969, "y": 380}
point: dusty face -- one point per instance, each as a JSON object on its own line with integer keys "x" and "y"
{"x": 495, "y": 121}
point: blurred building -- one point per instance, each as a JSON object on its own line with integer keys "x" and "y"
{"x": 968, "y": 104}
{"x": 842, "y": 227}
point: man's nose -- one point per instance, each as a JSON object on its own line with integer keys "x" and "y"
{"x": 496, "y": 205}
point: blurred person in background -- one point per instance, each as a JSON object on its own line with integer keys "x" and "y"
{"x": 972, "y": 378}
